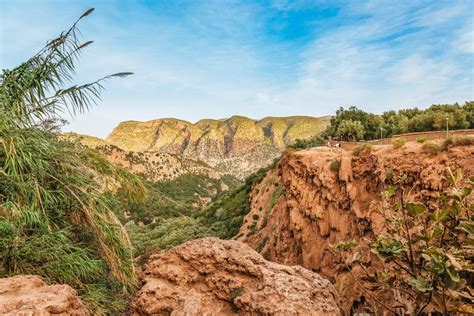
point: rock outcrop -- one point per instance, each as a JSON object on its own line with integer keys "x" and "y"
{"x": 309, "y": 202}
{"x": 237, "y": 145}
{"x": 153, "y": 165}
{"x": 30, "y": 295}
{"x": 210, "y": 276}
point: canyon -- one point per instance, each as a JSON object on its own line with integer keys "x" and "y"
{"x": 305, "y": 205}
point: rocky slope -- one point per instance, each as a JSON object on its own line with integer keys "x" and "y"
{"x": 210, "y": 276}
{"x": 304, "y": 206}
{"x": 30, "y": 295}
{"x": 153, "y": 165}
{"x": 237, "y": 145}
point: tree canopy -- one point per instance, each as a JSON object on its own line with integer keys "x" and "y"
{"x": 354, "y": 124}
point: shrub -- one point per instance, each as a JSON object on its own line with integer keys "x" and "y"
{"x": 421, "y": 139}
{"x": 431, "y": 148}
{"x": 255, "y": 217}
{"x": 458, "y": 141}
{"x": 307, "y": 143}
{"x": 426, "y": 250}
{"x": 398, "y": 142}
{"x": 335, "y": 165}
{"x": 236, "y": 292}
{"x": 364, "y": 148}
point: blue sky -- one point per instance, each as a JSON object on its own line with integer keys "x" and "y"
{"x": 214, "y": 59}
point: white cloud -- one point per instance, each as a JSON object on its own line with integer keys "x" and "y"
{"x": 213, "y": 59}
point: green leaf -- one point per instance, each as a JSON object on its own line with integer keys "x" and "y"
{"x": 345, "y": 245}
{"x": 389, "y": 192}
{"x": 453, "y": 275}
{"x": 467, "y": 226}
{"x": 436, "y": 232}
{"x": 471, "y": 179}
{"x": 421, "y": 284}
{"x": 456, "y": 265}
{"x": 415, "y": 209}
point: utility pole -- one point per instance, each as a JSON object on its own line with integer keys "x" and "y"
{"x": 447, "y": 127}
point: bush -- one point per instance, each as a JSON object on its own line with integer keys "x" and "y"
{"x": 431, "y": 148}
{"x": 426, "y": 250}
{"x": 364, "y": 148}
{"x": 307, "y": 143}
{"x": 458, "y": 141}
{"x": 421, "y": 139}
{"x": 335, "y": 165}
{"x": 398, "y": 142}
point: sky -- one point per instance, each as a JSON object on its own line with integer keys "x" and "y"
{"x": 217, "y": 58}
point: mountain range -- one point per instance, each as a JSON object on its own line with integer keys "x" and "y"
{"x": 237, "y": 145}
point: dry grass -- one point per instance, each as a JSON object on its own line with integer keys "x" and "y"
{"x": 364, "y": 148}
{"x": 458, "y": 141}
{"x": 431, "y": 148}
{"x": 398, "y": 142}
{"x": 421, "y": 139}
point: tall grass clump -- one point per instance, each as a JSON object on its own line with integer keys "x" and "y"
{"x": 458, "y": 141}
{"x": 431, "y": 148}
{"x": 421, "y": 139}
{"x": 364, "y": 148}
{"x": 398, "y": 142}
{"x": 55, "y": 220}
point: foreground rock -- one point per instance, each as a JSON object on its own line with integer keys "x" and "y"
{"x": 210, "y": 276}
{"x": 30, "y": 295}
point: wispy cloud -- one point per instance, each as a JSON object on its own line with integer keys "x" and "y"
{"x": 196, "y": 59}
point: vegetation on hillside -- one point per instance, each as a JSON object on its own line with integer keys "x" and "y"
{"x": 307, "y": 143}
{"x": 168, "y": 218}
{"x": 55, "y": 220}
{"x": 172, "y": 198}
{"x": 354, "y": 124}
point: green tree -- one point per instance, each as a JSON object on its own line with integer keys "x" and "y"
{"x": 350, "y": 130}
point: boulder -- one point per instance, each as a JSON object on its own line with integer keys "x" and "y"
{"x": 210, "y": 276}
{"x": 30, "y": 295}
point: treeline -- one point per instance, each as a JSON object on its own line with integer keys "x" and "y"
{"x": 353, "y": 124}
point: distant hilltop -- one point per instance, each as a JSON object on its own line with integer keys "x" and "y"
{"x": 237, "y": 145}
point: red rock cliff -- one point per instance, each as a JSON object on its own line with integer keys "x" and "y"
{"x": 305, "y": 205}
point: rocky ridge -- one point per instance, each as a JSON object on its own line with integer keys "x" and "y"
{"x": 237, "y": 145}
{"x": 210, "y": 276}
{"x": 153, "y": 165}
{"x": 304, "y": 206}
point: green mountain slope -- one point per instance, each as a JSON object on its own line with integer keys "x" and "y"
{"x": 238, "y": 145}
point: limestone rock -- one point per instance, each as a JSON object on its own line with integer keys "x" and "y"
{"x": 30, "y": 295}
{"x": 210, "y": 276}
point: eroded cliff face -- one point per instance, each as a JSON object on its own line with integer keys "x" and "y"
{"x": 303, "y": 207}
{"x": 210, "y": 276}
{"x": 30, "y": 295}
{"x": 237, "y": 145}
